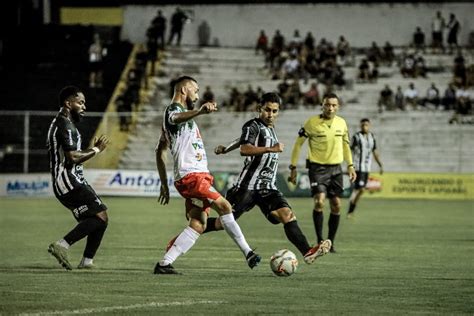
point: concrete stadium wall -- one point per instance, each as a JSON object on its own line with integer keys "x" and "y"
{"x": 239, "y": 25}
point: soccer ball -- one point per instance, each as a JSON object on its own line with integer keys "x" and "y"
{"x": 283, "y": 262}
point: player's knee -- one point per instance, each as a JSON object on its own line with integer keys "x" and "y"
{"x": 103, "y": 217}
{"x": 284, "y": 215}
{"x": 335, "y": 206}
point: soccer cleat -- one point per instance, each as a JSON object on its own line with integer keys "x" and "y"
{"x": 168, "y": 269}
{"x": 317, "y": 251}
{"x": 332, "y": 250}
{"x": 84, "y": 266}
{"x": 60, "y": 253}
{"x": 253, "y": 259}
{"x": 351, "y": 216}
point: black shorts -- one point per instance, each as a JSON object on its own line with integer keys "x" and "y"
{"x": 325, "y": 179}
{"x": 438, "y": 37}
{"x": 361, "y": 180}
{"x": 96, "y": 66}
{"x": 243, "y": 200}
{"x": 83, "y": 202}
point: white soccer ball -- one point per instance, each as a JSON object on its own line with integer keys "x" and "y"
{"x": 283, "y": 262}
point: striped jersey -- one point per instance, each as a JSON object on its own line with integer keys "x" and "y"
{"x": 260, "y": 171}
{"x": 63, "y": 136}
{"x": 362, "y": 146}
{"x": 187, "y": 147}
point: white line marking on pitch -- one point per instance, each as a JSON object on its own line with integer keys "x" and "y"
{"x": 120, "y": 308}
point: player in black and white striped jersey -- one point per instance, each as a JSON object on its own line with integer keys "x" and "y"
{"x": 363, "y": 146}
{"x": 256, "y": 183}
{"x": 70, "y": 188}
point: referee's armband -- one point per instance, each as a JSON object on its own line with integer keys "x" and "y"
{"x": 302, "y": 132}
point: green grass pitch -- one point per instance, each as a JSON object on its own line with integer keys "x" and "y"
{"x": 397, "y": 257}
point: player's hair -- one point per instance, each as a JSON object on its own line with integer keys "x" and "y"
{"x": 365, "y": 120}
{"x": 176, "y": 82}
{"x": 67, "y": 92}
{"x": 270, "y": 97}
{"x": 331, "y": 95}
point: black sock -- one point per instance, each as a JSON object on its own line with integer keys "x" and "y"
{"x": 352, "y": 207}
{"x": 94, "y": 239}
{"x": 210, "y": 225}
{"x": 318, "y": 218}
{"x": 333, "y": 224}
{"x": 295, "y": 235}
{"x": 82, "y": 229}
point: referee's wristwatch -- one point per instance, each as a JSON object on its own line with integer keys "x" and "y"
{"x": 291, "y": 167}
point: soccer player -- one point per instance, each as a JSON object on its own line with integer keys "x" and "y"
{"x": 192, "y": 178}
{"x": 71, "y": 189}
{"x": 256, "y": 183}
{"x": 328, "y": 140}
{"x": 363, "y": 145}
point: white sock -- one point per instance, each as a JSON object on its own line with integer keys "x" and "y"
{"x": 63, "y": 243}
{"x": 181, "y": 245}
{"x": 233, "y": 230}
{"x": 87, "y": 261}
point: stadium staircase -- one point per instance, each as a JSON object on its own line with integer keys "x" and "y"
{"x": 410, "y": 141}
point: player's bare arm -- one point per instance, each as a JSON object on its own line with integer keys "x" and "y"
{"x": 251, "y": 150}
{"x": 77, "y": 156}
{"x": 377, "y": 159}
{"x": 222, "y": 149}
{"x": 206, "y": 108}
{"x": 160, "y": 154}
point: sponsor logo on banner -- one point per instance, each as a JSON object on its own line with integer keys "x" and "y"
{"x": 26, "y": 185}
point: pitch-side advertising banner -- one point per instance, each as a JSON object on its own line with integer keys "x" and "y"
{"x": 32, "y": 184}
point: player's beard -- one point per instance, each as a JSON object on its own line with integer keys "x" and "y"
{"x": 76, "y": 117}
{"x": 190, "y": 103}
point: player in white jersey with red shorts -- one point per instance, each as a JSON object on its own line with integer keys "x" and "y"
{"x": 192, "y": 178}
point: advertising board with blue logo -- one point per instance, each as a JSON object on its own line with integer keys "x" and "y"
{"x": 33, "y": 184}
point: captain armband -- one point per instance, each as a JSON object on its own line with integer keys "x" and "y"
{"x": 302, "y": 132}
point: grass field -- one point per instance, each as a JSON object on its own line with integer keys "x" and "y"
{"x": 397, "y": 257}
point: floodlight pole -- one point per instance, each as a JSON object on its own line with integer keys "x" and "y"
{"x": 26, "y": 141}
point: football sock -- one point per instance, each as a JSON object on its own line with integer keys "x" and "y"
{"x": 352, "y": 207}
{"x": 333, "y": 224}
{"x": 210, "y": 225}
{"x": 233, "y": 230}
{"x": 181, "y": 245}
{"x": 63, "y": 243}
{"x": 82, "y": 229}
{"x": 94, "y": 239}
{"x": 295, "y": 235}
{"x": 318, "y": 218}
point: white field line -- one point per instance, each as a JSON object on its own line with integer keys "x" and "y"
{"x": 106, "y": 309}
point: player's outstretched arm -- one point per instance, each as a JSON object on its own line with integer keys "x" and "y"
{"x": 251, "y": 150}
{"x": 160, "y": 154}
{"x": 79, "y": 156}
{"x": 206, "y": 108}
{"x": 221, "y": 149}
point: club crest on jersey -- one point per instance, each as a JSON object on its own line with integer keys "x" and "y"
{"x": 198, "y": 156}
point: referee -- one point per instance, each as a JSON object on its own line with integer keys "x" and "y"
{"x": 328, "y": 140}
{"x": 70, "y": 188}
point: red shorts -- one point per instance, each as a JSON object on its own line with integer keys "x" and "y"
{"x": 198, "y": 191}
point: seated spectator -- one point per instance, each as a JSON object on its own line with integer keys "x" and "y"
{"x": 388, "y": 54}
{"x": 283, "y": 91}
{"x": 296, "y": 43}
{"x": 459, "y": 70}
{"x": 294, "y": 93}
{"x": 420, "y": 67}
{"x": 250, "y": 99}
{"x": 419, "y": 40}
{"x": 364, "y": 70}
{"x": 386, "y": 101}
{"x": 262, "y": 43}
{"x": 408, "y": 66}
{"x": 208, "y": 96}
{"x": 399, "y": 99}
{"x": 432, "y": 99}
{"x": 290, "y": 68}
{"x": 449, "y": 98}
{"x": 123, "y": 104}
{"x": 374, "y": 54}
{"x": 309, "y": 41}
{"x": 343, "y": 50}
{"x": 236, "y": 99}
{"x": 411, "y": 96}
{"x": 339, "y": 80}
{"x": 311, "y": 97}
{"x": 463, "y": 106}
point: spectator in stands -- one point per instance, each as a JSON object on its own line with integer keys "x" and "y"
{"x": 432, "y": 97}
{"x": 399, "y": 99}
{"x": 408, "y": 66}
{"x": 311, "y": 97}
{"x": 339, "y": 80}
{"x": 236, "y": 99}
{"x": 419, "y": 40}
{"x": 343, "y": 50}
{"x": 453, "y": 30}
{"x": 294, "y": 93}
{"x": 420, "y": 67}
{"x": 208, "y": 96}
{"x": 97, "y": 53}
{"x": 368, "y": 72}
{"x": 411, "y": 96}
{"x": 296, "y": 43}
{"x": 388, "y": 54}
{"x": 284, "y": 91}
{"x": 152, "y": 48}
{"x": 177, "y": 22}
{"x": 309, "y": 41}
{"x": 449, "y": 98}
{"x": 459, "y": 71}
{"x": 250, "y": 99}
{"x": 437, "y": 27}
{"x": 159, "y": 26}
{"x": 463, "y": 106}
{"x": 262, "y": 43}
{"x": 123, "y": 105}
{"x": 278, "y": 44}
{"x": 386, "y": 101}
{"x": 278, "y": 41}
{"x": 291, "y": 68}
{"x": 374, "y": 54}
{"x": 134, "y": 79}
{"x": 204, "y": 34}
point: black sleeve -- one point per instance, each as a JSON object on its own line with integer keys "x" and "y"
{"x": 249, "y": 134}
{"x": 67, "y": 136}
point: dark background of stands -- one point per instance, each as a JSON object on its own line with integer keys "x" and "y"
{"x": 36, "y": 61}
